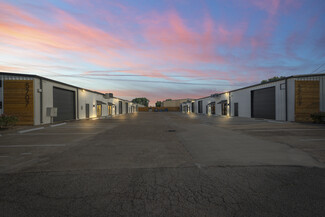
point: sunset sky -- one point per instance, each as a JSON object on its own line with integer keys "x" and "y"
{"x": 162, "y": 48}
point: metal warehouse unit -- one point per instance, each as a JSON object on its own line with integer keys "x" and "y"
{"x": 259, "y": 101}
{"x": 290, "y": 99}
{"x": 205, "y": 105}
{"x": 188, "y": 106}
{"x": 222, "y": 104}
{"x": 34, "y": 99}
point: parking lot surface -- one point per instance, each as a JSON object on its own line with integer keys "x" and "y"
{"x": 164, "y": 164}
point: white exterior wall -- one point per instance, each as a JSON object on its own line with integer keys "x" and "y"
{"x": 188, "y": 106}
{"x": 205, "y": 102}
{"x": 196, "y": 106}
{"x": 243, "y": 98}
{"x": 118, "y": 106}
{"x": 219, "y": 98}
{"x": 114, "y": 101}
{"x": 123, "y": 106}
{"x": 91, "y": 98}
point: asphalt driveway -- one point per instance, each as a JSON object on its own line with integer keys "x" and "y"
{"x": 164, "y": 164}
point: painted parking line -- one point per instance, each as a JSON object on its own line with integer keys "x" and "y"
{"x": 30, "y": 130}
{"x": 277, "y": 122}
{"x": 312, "y": 139}
{"x": 28, "y": 146}
{"x": 52, "y": 134}
{"x": 56, "y": 125}
{"x": 83, "y": 127}
{"x": 277, "y": 130}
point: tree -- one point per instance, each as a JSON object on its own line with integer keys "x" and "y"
{"x": 275, "y": 78}
{"x": 143, "y": 101}
{"x": 158, "y": 104}
{"x": 168, "y": 100}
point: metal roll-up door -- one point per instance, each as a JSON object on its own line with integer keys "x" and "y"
{"x": 200, "y": 107}
{"x": 120, "y": 108}
{"x": 263, "y": 103}
{"x": 64, "y": 100}
{"x": 236, "y": 109}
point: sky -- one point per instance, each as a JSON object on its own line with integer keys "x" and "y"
{"x": 162, "y": 49}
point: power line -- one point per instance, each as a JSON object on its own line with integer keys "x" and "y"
{"x": 318, "y": 68}
{"x": 144, "y": 81}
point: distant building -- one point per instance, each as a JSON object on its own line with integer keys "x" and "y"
{"x": 173, "y": 103}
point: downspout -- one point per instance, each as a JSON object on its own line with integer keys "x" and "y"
{"x": 77, "y": 103}
{"x": 41, "y": 100}
{"x": 2, "y": 94}
{"x": 286, "y": 93}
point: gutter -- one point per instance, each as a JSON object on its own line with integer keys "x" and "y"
{"x": 77, "y": 103}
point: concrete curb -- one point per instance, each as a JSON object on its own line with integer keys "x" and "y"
{"x": 30, "y": 130}
{"x": 56, "y": 125}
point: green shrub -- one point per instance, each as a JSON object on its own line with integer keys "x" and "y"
{"x": 7, "y": 121}
{"x": 318, "y": 117}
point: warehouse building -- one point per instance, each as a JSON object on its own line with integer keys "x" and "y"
{"x": 205, "y": 105}
{"x": 221, "y": 105}
{"x": 292, "y": 98}
{"x": 173, "y": 103}
{"x": 188, "y": 106}
{"x": 37, "y": 100}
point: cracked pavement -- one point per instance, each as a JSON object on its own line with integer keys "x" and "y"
{"x": 133, "y": 166}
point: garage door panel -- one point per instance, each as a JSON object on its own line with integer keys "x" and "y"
{"x": 64, "y": 100}
{"x": 263, "y": 103}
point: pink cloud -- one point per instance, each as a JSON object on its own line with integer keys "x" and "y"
{"x": 272, "y": 7}
{"x": 68, "y": 34}
{"x": 162, "y": 45}
{"x": 169, "y": 39}
{"x": 177, "y": 41}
